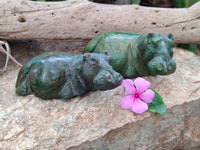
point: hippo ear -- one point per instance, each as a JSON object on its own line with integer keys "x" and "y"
{"x": 170, "y": 36}
{"x": 105, "y": 52}
{"x": 150, "y": 35}
{"x": 86, "y": 55}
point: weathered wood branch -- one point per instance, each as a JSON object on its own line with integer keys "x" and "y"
{"x": 81, "y": 19}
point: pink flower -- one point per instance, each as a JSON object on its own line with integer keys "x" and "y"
{"x": 137, "y": 94}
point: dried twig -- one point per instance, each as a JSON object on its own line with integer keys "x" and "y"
{"x": 8, "y": 55}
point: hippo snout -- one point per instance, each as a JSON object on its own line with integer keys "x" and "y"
{"x": 107, "y": 79}
{"x": 162, "y": 66}
{"x": 171, "y": 66}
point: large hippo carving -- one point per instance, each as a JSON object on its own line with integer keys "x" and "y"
{"x": 136, "y": 54}
{"x": 58, "y": 75}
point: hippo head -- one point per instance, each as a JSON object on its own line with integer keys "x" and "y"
{"x": 98, "y": 73}
{"x": 157, "y": 54}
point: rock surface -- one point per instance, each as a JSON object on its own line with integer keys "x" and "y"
{"x": 96, "y": 121}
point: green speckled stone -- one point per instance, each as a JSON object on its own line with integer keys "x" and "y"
{"x": 59, "y": 75}
{"x": 136, "y": 55}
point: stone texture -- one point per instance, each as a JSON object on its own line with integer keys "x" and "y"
{"x": 96, "y": 120}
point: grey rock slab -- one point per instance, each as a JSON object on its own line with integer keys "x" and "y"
{"x": 96, "y": 120}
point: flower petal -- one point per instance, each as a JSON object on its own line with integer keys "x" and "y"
{"x": 128, "y": 85}
{"x": 127, "y": 102}
{"x": 139, "y": 106}
{"x": 147, "y": 96}
{"x": 141, "y": 84}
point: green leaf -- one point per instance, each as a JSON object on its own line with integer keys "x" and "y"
{"x": 190, "y": 47}
{"x": 157, "y": 105}
{"x": 135, "y": 2}
{"x": 54, "y": 0}
{"x": 184, "y": 3}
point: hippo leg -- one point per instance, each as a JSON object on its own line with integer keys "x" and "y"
{"x": 66, "y": 91}
{"x": 23, "y": 86}
{"x": 74, "y": 86}
{"x": 46, "y": 82}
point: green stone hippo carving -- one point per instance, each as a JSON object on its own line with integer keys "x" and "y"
{"x": 59, "y": 75}
{"x": 136, "y": 55}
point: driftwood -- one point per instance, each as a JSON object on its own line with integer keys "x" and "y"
{"x": 81, "y": 19}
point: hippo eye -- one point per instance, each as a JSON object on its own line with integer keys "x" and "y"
{"x": 93, "y": 61}
{"x": 156, "y": 43}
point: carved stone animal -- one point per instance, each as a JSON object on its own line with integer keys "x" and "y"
{"x": 58, "y": 75}
{"x": 136, "y": 55}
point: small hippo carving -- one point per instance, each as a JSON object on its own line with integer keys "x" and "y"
{"x": 59, "y": 75}
{"x": 136, "y": 55}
